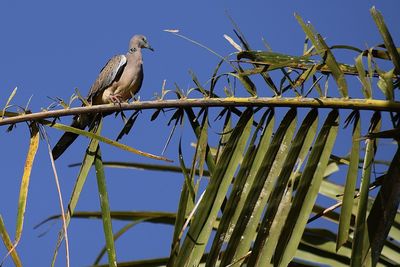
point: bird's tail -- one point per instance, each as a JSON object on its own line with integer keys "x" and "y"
{"x": 80, "y": 122}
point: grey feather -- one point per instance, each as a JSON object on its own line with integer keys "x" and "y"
{"x": 109, "y": 73}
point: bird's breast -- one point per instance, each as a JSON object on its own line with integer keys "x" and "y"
{"x": 130, "y": 82}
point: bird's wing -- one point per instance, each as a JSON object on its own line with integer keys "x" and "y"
{"x": 109, "y": 73}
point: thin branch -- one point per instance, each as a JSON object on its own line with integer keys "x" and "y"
{"x": 53, "y": 165}
{"x": 378, "y": 182}
{"x": 144, "y": 166}
{"x": 340, "y": 103}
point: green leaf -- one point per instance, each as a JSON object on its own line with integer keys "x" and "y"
{"x": 155, "y": 114}
{"x": 275, "y": 229}
{"x": 13, "y": 93}
{"x": 332, "y": 191}
{"x": 197, "y": 130}
{"x": 201, "y": 148}
{"x": 84, "y": 170}
{"x": 177, "y": 117}
{"x": 215, "y": 77}
{"x": 80, "y": 181}
{"x": 346, "y": 47}
{"x": 198, "y": 84}
{"x": 266, "y": 174}
{"x": 158, "y": 217}
{"x": 189, "y": 183}
{"x": 117, "y": 235}
{"x": 365, "y": 81}
{"x": 201, "y": 226}
{"x": 279, "y": 202}
{"x": 9, "y": 245}
{"x": 105, "y": 209}
{"x": 226, "y": 131}
{"x": 383, "y": 211}
{"x": 381, "y": 54}
{"x": 100, "y": 138}
{"x": 307, "y": 74}
{"x": 128, "y": 125}
{"x": 246, "y": 177}
{"x": 317, "y": 86}
{"x": 144, "y": 166}
{"x": 228, "y": 221}
{"x": 186, "y": 203}
{"x": 361, "y": 242}
{"x": 265, "y": 61}
{"x": 247, "y": 83}
{"x": 352, "y": 174}
{"x": 326, "y": 54}
{"x": 23, "y": 193}
{"x": 318, "y": 246}
{"x": 307, "y": 191}
{"x": 246, "y": 46}
{"x": 385, "y": 83}
{"x": 387, "y": 38}
{"x": 276, "y": 60}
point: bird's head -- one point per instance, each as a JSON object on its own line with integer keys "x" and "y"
{"x": 139, "y": 41}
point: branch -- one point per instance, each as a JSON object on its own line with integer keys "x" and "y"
{"x": 339, "y": 103}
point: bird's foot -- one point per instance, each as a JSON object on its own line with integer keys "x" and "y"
{"x": 116, "y": 98}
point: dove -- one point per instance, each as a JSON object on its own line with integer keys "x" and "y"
{"x": 119, "y": 80}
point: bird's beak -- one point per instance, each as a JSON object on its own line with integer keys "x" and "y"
{"x": 149, "y": 47}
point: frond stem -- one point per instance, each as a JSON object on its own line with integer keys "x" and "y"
{"x": 300, "y": 102}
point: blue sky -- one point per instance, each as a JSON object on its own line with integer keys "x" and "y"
{"x": 48, "y": 49}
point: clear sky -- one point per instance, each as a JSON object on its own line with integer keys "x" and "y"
{"x": 48, "y": 48}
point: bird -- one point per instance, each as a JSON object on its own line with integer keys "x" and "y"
{"x": 118, "y": 81}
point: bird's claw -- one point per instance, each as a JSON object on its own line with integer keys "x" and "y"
{"x": 116, "y": 98}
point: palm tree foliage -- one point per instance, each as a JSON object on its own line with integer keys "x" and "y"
{"x": 269, "y": 193}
